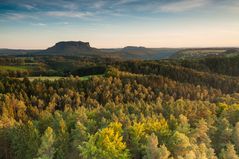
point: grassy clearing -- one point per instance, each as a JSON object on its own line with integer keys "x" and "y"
{"x": 43, "y": 78}
{"x": 53, "y": 78}
{"x": 84, "y": 78}
{"x": 14, "y": 68}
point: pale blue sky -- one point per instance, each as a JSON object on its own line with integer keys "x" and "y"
{"x": 38, "y": 24}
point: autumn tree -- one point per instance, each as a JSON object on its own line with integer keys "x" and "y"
{"x": 106, "y": 143}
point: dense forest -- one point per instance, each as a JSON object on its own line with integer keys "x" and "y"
{"x": 165, "y": 109}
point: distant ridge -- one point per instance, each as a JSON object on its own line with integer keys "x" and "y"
{"x": 134, "y": 48}
{"x": 79, "y": 48}
{"x": 140, "y": 52}
{"x": 71, "y": 48}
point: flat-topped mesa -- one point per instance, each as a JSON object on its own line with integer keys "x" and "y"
{"x": 71, "y": 48}
{"x": 72, "y": 44}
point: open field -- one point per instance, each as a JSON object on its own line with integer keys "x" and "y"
{"x": 15, "y": 68}
{"x": 83, "y": 78}
{"x": 43, "y": 78}
{"x": 53, "y": 78}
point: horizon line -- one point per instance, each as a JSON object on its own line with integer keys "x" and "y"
{"x": 160, "y": 47}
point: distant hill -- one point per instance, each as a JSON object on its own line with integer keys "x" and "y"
{"x": 8, "y": 52}
{"x": 137, "y": 51}
{"x": 133, "y": 52}
{"x": 79, "y": 48}
{"x": 134, "y": 49}
{"x": 205, "y": 52}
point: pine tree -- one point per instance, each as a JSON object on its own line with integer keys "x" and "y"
{"x": 155, "y": 152}
{"x": 62, "y": 136}
{"x": 229, "y": 153}
{"x": 200, "y": 134}
{"x": 184, "y": 126}
{"x": 236, "y": 136}
{"x": 47, "y": 150}
{"x": 223, "y": 134}
{"x": 203, "y": 152}
{"x": 180, "y": 144}
{"x": 24, "y": 141}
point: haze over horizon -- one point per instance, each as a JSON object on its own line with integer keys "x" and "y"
{"x": 38, "y": 24}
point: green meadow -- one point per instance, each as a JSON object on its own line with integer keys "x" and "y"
{"x": 53, "y": 78}
{"x": 14, "y": 68}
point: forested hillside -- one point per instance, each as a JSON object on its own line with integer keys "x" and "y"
{"x": 181, "y": 109}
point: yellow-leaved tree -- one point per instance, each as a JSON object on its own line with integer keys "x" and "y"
{"x": 107, "y": 143}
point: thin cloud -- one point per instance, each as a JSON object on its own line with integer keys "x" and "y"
{"x": 98, "y": 4}
{"x": 70, "y": 5}
{"x": 28, "y": 6}
{"x": 69, "y": 14}
{"x": 39, "y": 24}
{"x": 184, "y": 5}
{"x": 173, "y": 7}
{"x": 233, "y": 8}
{"x": 97, "y": 9}
{"x": 15, "y": 16}
{"x": 123, "y": 2}
{"x": 65, "y": 23}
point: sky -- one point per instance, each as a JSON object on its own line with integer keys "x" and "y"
{"x": 39, "y": 24}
